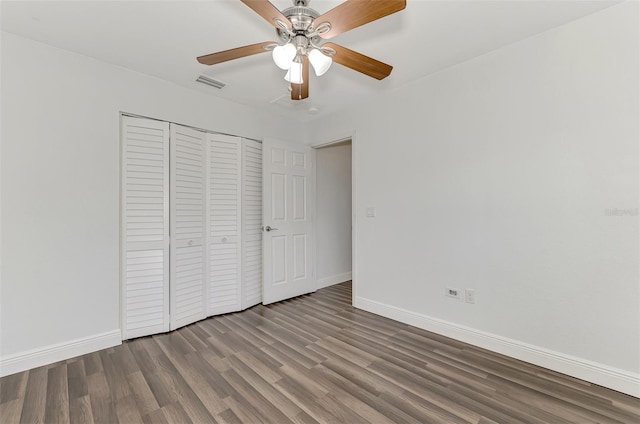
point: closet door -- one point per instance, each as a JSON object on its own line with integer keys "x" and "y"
{"x": 188, "y": 241}
{"x": 224, "y": 223}
{"x": 251, "y": 223}
{"x": 144, "y": 227}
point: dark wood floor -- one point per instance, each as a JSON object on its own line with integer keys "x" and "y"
{"x": 313, "y": 359}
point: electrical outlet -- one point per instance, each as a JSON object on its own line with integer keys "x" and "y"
{"x": 451, "y": 292}
{"x": 470, "y": 296}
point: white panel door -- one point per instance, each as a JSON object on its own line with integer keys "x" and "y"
{"x": 251, "y": 223}
{"x": 288, "y": 217}
{"x": 224, "y": 212}
{"x": 145, "y": 227}
{"x": 188, "y": 258}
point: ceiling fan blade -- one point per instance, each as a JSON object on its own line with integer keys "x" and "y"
{"x": 237, "y": 53}
{"x": 301, "y": 91}
{"x": 359, "y": 62}
{"x": 268, "y": 11}
{"x": 354, "y": 13}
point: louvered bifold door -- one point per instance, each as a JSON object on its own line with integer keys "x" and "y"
{"x": 145, "y": 227}
{"x": 251, "y": 223}
{"x": 188, "y": 241}
{"x": 224, "y": 223}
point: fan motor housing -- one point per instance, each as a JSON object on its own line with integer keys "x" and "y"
{"x": 301, "y": 17}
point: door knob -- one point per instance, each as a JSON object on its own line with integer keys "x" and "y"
{"x": 268, "y": 228}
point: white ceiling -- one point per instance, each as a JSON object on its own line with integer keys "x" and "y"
{"x": 163, "y": 38}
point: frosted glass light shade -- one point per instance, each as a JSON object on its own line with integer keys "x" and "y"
{"x": 283, "y": 55}
{"x": 320, "y": 62}
{"x": 294, "y": 74}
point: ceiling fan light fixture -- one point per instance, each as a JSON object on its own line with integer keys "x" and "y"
{"x": 320, "y": 62}
{"x": 303, "y": 32}
{"x": 283, "y": 56}
{"x": 294, "y": 74}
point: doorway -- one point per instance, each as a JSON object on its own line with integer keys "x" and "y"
{"x": 334, "y": 213}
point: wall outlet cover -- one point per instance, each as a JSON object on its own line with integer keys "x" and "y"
{"x": 453, "y": 292}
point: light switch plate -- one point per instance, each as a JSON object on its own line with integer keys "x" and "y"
{"x": 371, "y": 212}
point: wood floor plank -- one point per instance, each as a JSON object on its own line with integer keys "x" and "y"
{"x": 124, "y": 359}
{"x": 251, "y": 396}
{"x": 92, "y": 363}
{"x": 266, "y": 367}
{"x": 102, "y": 407}
{"x": 142, "y": 393}
{"x": 142, "y": 356}
{"x": 228, "y": 417}
{"x": 13, "y": 390}
{"x": 362, "y": 377}
{"x": 80, "y": 410}
{"x": 416, "y": 410}
{"x": 352, "y": 353}
{"x": 11, "y": 410}
{"x": 339, "y": 393}
{"x": 35, "y": 396}
{"x": 212, "y": 375}
{"x": 485, "y": 406}
{"x": 128, "y": 412}
{"x": 313, "y": 359}
{"x": 116, "y": 380}
{"x": 160, "y": 391}
{"x": 305, "y": 399}
{"x": 175, "y": 414}
{"x": 156, "y": 417}
{"x": 249, "y": 335}
{"x": 304, "y": 418}
{"x": 245, "y": 412}
{"x": 176, "y": 387}
{"x": 286, "y": 355}
{"x": 251, "y": 322}
{"x": 195, "y": 377}
{"x": 216, "y": 363}
{"x": 303, "y": 377}
{"x": 341, "y": 413}
{"x": 57, "y": 405}
{"x": 632, "y": 408}
{"x": 438, "y": 406}
{"x": 190, "y": 335}
{"x": 13, "y": 386}
{"x": 265, "y": 388}
{"x": 219, "y": 347}
{"x": 77, "y": 379}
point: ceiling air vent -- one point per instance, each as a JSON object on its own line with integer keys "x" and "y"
{"x": 210, "y": 81}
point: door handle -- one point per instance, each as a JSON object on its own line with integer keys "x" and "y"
{"x": 268, "y": 228}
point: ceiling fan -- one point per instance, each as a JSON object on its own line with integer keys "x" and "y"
{"x": 303, "y": 31}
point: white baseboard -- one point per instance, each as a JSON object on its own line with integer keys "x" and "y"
{"x": 604, "y": 375}
{"x": 334, "y": 279}
{"x": 58, "y": 352}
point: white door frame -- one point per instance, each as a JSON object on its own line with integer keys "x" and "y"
{"x": 354, "y": 222}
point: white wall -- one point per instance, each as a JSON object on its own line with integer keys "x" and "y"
{"x": 333, "y": 217}
{"x": 496, "y": 175}
{"x": 60, "y": 189}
